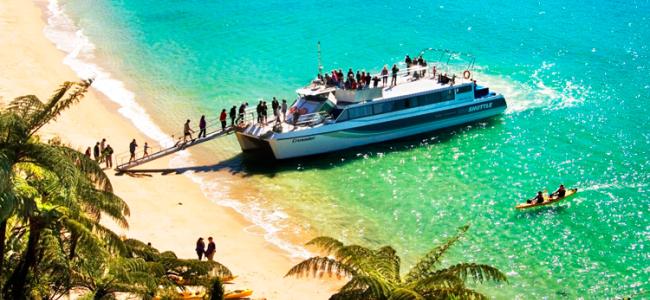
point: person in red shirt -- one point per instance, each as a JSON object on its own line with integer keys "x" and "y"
{"x": 222, "y": 118}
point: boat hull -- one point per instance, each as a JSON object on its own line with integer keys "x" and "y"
{"x": 366, "y": 132}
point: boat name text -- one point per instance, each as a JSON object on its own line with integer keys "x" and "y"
{"x": 304, "y": 139}
{"x": 480, "y": 107}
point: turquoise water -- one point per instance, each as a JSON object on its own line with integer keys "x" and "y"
{"x": 574, "y": 75}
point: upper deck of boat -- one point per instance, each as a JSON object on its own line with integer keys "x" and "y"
{"x": 406, "y": 85}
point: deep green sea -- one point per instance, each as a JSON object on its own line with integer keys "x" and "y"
{"x": 574, "y": 73}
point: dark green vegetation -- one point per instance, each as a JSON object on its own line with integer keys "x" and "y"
{"x": 375, "y": 273}
{"x": 52, "y": 199}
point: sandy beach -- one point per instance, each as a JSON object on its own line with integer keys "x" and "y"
{"x": 169, "y": 211}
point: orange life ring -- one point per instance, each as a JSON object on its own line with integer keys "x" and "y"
{"x": 303, "y": 111}
{"x": 467, "y": 74}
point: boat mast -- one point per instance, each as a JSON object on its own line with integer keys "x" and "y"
{"x": 320, "y": 63}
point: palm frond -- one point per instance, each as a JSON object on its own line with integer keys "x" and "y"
{"x": 327, "y": 244}
{"x": 351, "y": 295}
{"x": 426, "y": 265}
{"x": 312, "y": 266}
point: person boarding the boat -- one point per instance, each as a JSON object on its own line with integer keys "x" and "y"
{"x": 187, "y": 131}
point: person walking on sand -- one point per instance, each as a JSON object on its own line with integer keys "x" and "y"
{"x": 233, "y": 115}
{"x": 87, "y": 154}
{"x": 108, "y": 156}
{"x": 132, "y": 147}
{"x": 202, "y": 126}
{"x": 187, "y": 131}
{"x": 284, "y": 110}
{"x": 200, "y": 248}
{"x": 209, "y": 253}
{"x": 146, "y": 150}
{"x": 223, "y": 118}
{"x": 96, "y": 151}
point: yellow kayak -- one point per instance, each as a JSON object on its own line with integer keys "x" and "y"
{"x": 237, "y": 294}
{"x": 547, "y": 200}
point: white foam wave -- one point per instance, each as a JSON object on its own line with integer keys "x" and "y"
{"x": 537, "y": 93}
{"x": 67, "y": 37}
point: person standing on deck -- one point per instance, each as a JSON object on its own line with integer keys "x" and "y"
{"x": 296, "y": 116}
{"x": 274, "y": 106}
{"x": 384, "y": 76}
{"x": 200, "y": 248}
{"x": 284, "y": 110}
{"x": 258, "y": 109}
{"x": 233, "y": 115}
{"x": 108, "y": 156}
{"x": 265, "y": 111}
{"x": 187, "y": 131}
{"x": 393, "y": 81}
{"x": 146, "y": 150}
{"x": 242, "y": 111}
{"x": 407, "y": 61}
{"x": 132, "y": 147}
{"x": 202, "y": 126}
{"x": 209, "y": 253}
{"x": 223, "y": 118}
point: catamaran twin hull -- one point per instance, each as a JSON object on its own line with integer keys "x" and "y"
{"x": 372, "y": 129}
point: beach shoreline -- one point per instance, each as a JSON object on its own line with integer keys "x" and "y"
{"x": 170, "y": 211}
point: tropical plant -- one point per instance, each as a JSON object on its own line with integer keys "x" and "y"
{"x": 374, "y": 274}
{"x": 51, "y": 201}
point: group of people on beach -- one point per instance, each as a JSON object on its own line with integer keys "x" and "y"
{"x": 101, "y": 152}
{"x": 201, "y": 250}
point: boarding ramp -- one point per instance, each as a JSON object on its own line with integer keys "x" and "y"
{"x": 124, "y": 162}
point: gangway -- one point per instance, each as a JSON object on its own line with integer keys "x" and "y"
{"x": 179, "y": 145}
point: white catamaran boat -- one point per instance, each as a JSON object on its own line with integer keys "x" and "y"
{"x": 331, "y": 118}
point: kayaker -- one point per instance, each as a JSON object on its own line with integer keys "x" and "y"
{"x": 539, "y": 197}
{"x": 560, "y": 191}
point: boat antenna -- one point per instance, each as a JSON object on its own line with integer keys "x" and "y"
{"x": 320, "y": 63}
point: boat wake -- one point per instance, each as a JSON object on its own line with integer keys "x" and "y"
{"x": 541, "y": 91}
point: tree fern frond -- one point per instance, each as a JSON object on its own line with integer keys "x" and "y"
{"x": 405, "y": 294}
{"x": 313, "y": 265}
{"x": 427, "y": 263}
{"x": 57, "y": 103}
{"x": 25, "y": 106}
{"x": 327, "y": 244}
{"x": 476, "y": 272}
{"x": 375, "y": 287}
{"x": 460, "y": 293}
{"x": 351, "y": 295}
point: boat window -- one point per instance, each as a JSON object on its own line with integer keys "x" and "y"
{"x": 343, "y": 116}
{"x": 447, "y": 95}
{"x": 464, "y": 89}
{"x": 384, "y": 107}
{"x": 359, "y": 112}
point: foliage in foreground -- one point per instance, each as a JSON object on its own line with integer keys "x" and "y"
{"x": 374, "y": 274}
{"x": 52, "y": 199}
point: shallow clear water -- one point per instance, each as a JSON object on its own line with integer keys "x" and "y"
{"x": 574, "y": 76}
